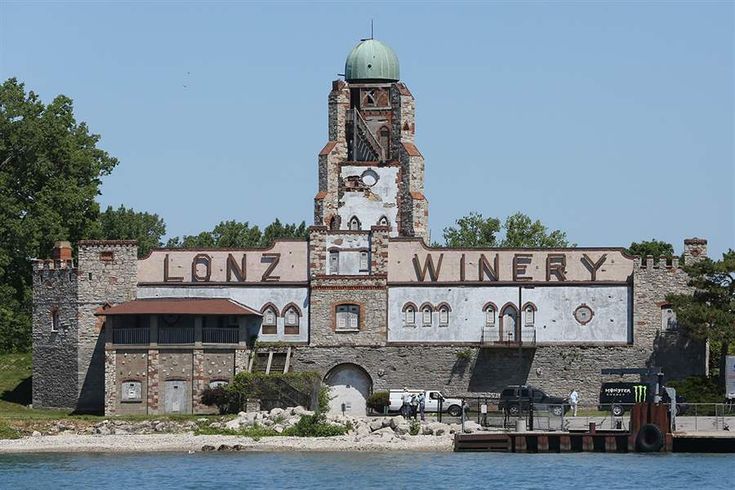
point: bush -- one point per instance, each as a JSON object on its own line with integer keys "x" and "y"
{"x": 225, "y": 400}
{"x": 278, "y": 389}
{"x": 315, "y": 426}
{"x": 699, "y": 389}
{"x": 7, "y": 432}
{"x": 414, "y": 427}
{"x": 378, "y": 401}
{"x": 464, "y": 354}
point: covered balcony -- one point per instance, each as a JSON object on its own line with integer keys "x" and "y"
{"x": 180, "y": 322}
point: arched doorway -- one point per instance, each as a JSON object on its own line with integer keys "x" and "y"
{"x": 508, "y": 322}
{"x": 350, "y": 385}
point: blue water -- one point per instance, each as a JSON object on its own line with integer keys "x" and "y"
{"x": 424, "y": 471}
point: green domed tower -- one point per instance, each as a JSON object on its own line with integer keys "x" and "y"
{"x": 372, "y": 61}
{"x": 370, "y": 172}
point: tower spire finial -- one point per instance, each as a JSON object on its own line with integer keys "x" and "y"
{"x": 371, "y": 29}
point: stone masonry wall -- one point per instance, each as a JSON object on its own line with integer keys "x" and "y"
{"x": 556, "y": 369}
{"x": 674, "y": 351}
{"x": 107, "y": 275}
{"x": 373, "y": 321}
{"x": 55, "y": 382}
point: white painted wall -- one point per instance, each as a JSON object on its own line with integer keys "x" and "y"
{"x": 350, "y": 247}
{"x": 554, "y": 321}
{"x": 254, "y": 297}
{"x": 382, "y": 200}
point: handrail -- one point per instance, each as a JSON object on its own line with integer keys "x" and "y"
{"x": 371, "y": 139}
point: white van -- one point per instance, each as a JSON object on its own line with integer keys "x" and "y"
{"x": 452, "y": 406}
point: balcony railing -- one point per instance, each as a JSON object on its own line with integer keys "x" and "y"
{"x": 220, "y": 335}
{"x": 492, "y": 336}
{"x": 176, "y": 335}
{"x": 130, "y": 336}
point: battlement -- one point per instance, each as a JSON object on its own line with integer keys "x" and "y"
{"x": 40, "y": 265}
{"x": 695, "y": 249}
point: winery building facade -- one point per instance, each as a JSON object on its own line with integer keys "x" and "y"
{"x": 364, "y": 301}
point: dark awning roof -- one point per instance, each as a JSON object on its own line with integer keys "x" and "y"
{"x": 179, "y": 306}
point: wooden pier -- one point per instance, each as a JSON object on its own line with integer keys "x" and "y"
{"x": 649, "y": 432}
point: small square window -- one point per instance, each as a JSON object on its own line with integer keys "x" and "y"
{"x": 348, "y": 317}
{"x": 107, "y": 256}
{"x": 131, "y": 391}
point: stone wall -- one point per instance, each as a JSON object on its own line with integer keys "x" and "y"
{"x": 130, "y": 365}
{"x": 107, "y": 275}
{"x": 55, "y": 382}
{"x": 556, "y": 370}
{"x": 369, "y": 293}
{"x": 672, "y": 350}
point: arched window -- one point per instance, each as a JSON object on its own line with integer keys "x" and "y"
{"x": 409, "y": 314}
{"x": 491, "y": 312}
{"x": 426, "y": 311}
{"x": 354, "y": 224}
{"x": 270, "y": 316}
{"x": 383, "y": 221}
{"x": 334, "y": 223}
{"x": 348, "y": 317}
{"x": 444, "y": 310}
{"x": 291, "y": 319}
{"x": 508, "y": 319}
{"x": 529, "y": 314}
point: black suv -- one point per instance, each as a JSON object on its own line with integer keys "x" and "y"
{"x": 516, "y": 399}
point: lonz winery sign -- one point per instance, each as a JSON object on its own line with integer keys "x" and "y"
{"x": 284, "y": 262}
{"x": 412, "y": 262}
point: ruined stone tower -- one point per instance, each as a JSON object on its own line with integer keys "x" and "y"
{"x": 370, "y": 171}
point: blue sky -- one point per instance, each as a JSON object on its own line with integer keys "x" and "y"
{"x": 611, "y": 121}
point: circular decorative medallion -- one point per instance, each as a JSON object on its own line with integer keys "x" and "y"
{"x": 369, "y": 177}
{"x": 583, "y": 314}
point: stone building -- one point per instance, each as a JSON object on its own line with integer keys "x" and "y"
{"x": 364, "y": 301}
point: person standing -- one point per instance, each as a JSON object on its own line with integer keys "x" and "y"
{"x": 573, "y": 400}
{"x": 422, "y": 406}
{"x": 483, "y": 413}
{"x": 414, "y": 405}
{"x": 406, "y": 402}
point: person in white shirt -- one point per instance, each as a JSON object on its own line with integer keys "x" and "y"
{"x": 406, "y": 400}
{"x": 483, "y": 412}
{"x": 573, "y": 399}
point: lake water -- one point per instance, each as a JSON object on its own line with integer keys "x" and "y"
{"x": 425, "y": 471}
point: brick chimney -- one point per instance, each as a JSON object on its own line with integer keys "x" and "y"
{"x": 62, "y": 251}
{"x": 695, "y": 249}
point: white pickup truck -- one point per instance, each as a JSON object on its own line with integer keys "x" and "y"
{"x": 452, "y": 406}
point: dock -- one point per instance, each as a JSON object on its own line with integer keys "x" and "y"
{"x": 649, "y": 432}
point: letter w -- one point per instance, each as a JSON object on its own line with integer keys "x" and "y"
{"x": 428, "y": 266}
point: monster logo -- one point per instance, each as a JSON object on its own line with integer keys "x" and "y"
{"x": 640, "y": 393}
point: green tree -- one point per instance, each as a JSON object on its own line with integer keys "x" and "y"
{"x": 522, "y": 232}
{"x": 654, "y": 247}
{"x": 127, "y": 224}
{"x": 517, "y": 231}
{"x": 709, "y": 313}
{"x": 473, "y": 231}
{"x": 276, "y": 231}
{"x": 50, "y": 175}
{"x": 234, "y": 234}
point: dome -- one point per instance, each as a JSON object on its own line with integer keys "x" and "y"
{"x": 371, "y": 61}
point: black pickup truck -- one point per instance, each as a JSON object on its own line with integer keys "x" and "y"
{"x": 515, "y": 400}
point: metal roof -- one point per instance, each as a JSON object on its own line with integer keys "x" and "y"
{"x": 179, "y": 306}
{"x": 372, "y": 60}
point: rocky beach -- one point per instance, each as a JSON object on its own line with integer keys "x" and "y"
{"x": 248, "y": 431}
